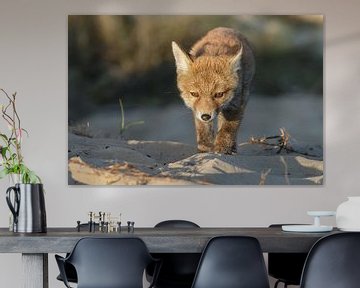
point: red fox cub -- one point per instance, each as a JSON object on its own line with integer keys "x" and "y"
{"x": 214, "y": 81}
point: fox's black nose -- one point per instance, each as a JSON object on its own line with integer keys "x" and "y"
{"x": 205, "y": 117}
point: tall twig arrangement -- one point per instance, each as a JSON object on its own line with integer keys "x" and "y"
{"x": 12, "y": 160}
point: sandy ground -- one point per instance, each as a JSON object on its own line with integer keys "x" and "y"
{"x": 162, "y": 150}
{"x": 301, "y": 115}
{"x": 106, "y": 161}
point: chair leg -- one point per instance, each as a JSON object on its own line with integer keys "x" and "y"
{"x": 278, "y": 282}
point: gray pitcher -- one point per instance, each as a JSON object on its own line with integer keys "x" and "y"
{"x": 28, "y": 208}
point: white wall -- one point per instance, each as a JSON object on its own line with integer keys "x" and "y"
{"x": 33, "y": 62}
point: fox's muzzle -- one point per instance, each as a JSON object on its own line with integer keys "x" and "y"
{"x": 206, "y": 116}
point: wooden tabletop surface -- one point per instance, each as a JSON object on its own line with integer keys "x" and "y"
{"x": 158, "y": 240}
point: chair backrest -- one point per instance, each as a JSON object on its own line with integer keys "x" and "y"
{"x": 287, "y": 267}
{"x": 232, "y": 262}
{"x": 110, "y": 262}
{"x": 176, "y": 224}
{"x": 333, "y": 262}
{"x": 178, "y": 269}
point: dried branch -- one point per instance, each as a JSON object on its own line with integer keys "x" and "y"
{"x": 263, "y": 176}
{"x": 282, "y": 141}
{"x": 12, "y": 159}
{"x": 285, "y": 142}
{"x": 14, "y": 123}
{"x": 286, "y": 172}
{"x": 6, "y": 117}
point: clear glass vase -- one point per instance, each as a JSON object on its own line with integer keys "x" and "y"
{"x": 13, "y": 179}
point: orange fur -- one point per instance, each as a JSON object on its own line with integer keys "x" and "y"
{"x": 214, "y": 81}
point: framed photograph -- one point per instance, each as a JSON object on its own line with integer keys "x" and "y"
{"x": 195, "y": 100}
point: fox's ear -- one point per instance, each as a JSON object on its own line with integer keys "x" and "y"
{"x": 236, "y": 60}
{"x": 182, "y": 59}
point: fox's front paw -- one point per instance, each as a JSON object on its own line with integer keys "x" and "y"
{"x": 204, "y": 148}
{"x": 230, "y": 150}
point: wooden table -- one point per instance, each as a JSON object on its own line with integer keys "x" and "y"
{"x": 35, "y": 247}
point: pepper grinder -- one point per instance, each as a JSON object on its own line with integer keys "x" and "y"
{"x": 101, "y": 221}
{"x": 131, "y": 226}
{"x": 90, "y": 221}
{"x": 78, "y": 226}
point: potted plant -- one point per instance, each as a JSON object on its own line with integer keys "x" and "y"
{"x": 11, "y": 159}
{"x": 25, "y": 197}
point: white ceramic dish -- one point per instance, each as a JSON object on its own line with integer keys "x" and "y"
{"x": 321, "y": 213}
{"x": 306, "y": 228}
{"x": 350, "y": 229}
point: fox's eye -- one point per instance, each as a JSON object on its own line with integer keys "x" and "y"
{"x": 219, "y": 94}
{"x": 194, "y": 94}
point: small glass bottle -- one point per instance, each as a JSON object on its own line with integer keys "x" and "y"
{"x": 11, "y": 222}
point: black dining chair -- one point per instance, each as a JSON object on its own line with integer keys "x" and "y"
{"x": 333, "y": 262}
{"x": 70, "y": 271}
{"x": 286, "y": 267}
{"x": 108, "y": 263}
{"x": 178, "y": 269}
{"x": 232, "y": 262}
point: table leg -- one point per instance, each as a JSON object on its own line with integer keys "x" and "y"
{"x": 35, "y": 270}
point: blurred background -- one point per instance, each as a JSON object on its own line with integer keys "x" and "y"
{"x": 130, "y": 58}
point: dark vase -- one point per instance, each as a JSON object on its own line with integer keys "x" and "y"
{"x": 27, "y": 207}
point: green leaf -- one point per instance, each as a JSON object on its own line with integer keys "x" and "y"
{"x": 122, "y": 124}
{"x": 4, "y": 137}
{"x": 27, "y": 133}
{"x": 34, "y": 179}
{"x": 28, "y": 176}
{"x": 133, "y": 123}
{"x": 3, "y": 151}
{"x": 13, "y": 156}
{"x": 11, "y": 170}
{"x": 4, "y": 173}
